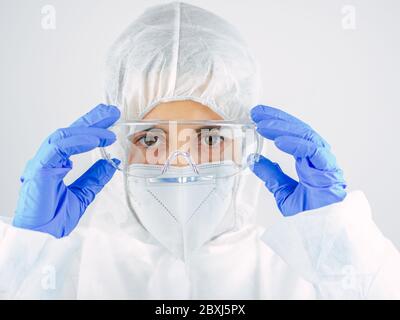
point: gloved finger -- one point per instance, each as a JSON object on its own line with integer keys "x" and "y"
{"x": 55, "y": 154}
{"x": 106, "y": 136}
{"x": 317, "y": 178}
{"x": 320, "y": 158}
{"x": 102, "y": 116}
{"x": 261, "y": 112}
{"x": 274, "y": 128}
{"x": 80, "y": 144}
{"x": 324, "y": 159}
{"x": 275, "y": 179}
{"x": 92, "y": 181}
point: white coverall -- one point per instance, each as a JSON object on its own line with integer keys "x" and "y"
{"x": 334, "y": 252}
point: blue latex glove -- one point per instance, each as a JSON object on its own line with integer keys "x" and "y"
{"x": 45, "y": 203}
{"x": 320, "y": 182}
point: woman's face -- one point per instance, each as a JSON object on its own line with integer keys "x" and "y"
{"x": 152, "y": 145}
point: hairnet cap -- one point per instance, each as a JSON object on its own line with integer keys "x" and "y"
{"x": 178, "y": 52}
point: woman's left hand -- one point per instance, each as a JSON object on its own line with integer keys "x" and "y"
{"x": 321, "y": 181}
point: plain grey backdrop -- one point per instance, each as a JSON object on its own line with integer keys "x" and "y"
{"x": 335, "y": 64}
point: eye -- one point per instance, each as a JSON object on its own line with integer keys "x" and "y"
{"x": 148, "y": 140}
{"x": 212, "y": 140}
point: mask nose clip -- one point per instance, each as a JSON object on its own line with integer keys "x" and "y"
{"x": 174, "y": 156}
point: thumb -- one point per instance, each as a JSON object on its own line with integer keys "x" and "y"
{"x": 92, "y": 181}
{"x": 276, "y": 181}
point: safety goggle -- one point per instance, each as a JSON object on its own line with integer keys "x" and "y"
{"x": 182, "y": 150}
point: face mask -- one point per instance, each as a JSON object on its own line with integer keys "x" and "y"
{"x": 182, "y": 216}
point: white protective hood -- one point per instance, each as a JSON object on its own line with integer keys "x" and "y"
{"x": 181, "y": 52}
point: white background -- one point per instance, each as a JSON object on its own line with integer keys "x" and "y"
{"x": 344, "y": 82}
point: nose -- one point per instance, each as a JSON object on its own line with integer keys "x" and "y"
{"x": 182, "y": 151}
{"x": 185, "y": 158}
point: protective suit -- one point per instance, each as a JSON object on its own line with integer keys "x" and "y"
{"x": 180, "y": 52}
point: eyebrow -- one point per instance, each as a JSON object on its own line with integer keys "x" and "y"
{"x": 147, "y": 129}
{"x": 210, "y": 127}
{"x": 198, "y": 130}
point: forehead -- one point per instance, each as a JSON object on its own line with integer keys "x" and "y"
{"x": 182, "y": 110}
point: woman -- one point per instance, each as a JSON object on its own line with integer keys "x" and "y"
{"x": 179, "y": 62}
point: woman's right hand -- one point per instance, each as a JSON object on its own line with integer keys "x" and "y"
{"x": 45, "y": 203}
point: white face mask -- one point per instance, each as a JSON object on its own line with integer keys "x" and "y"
{"x": 182, "y": 216}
